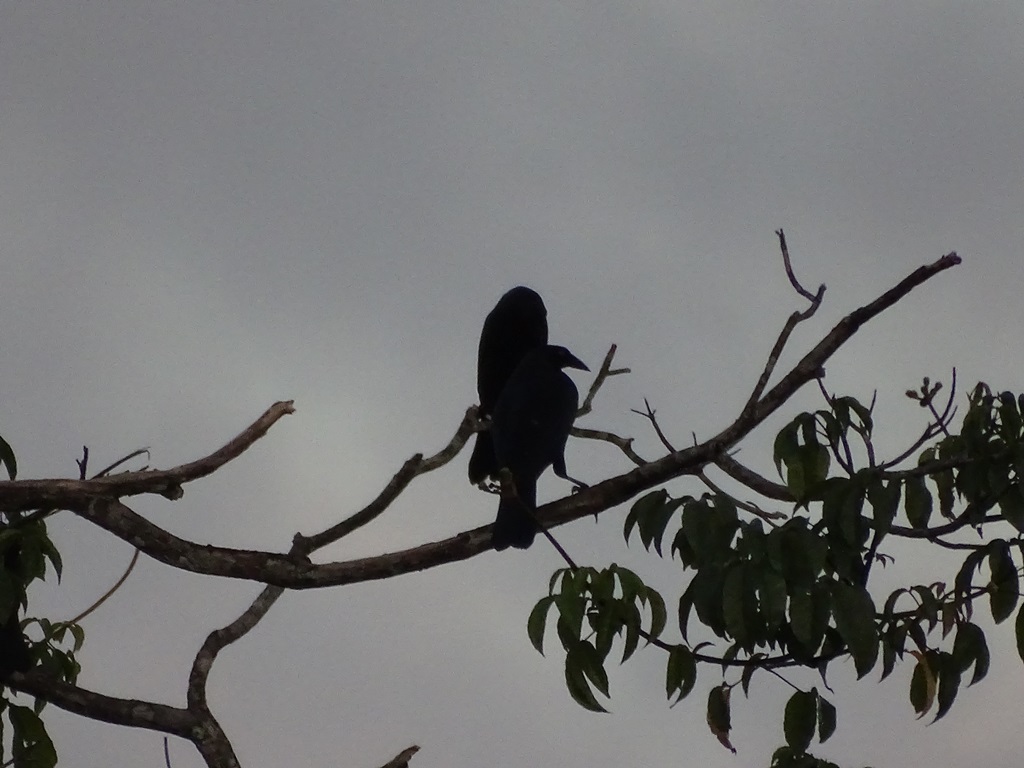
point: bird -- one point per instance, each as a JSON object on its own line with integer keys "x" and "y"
{"x": 517, "y": 324}
{"x": 530, "y": 426}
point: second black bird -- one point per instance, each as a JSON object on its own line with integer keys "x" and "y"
{"x": 530, "y": 426}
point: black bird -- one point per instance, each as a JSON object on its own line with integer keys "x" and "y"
{"x": 517, "y": 324}
{"x": 530, "y": 427}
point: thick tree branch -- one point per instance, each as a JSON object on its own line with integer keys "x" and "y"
{"x": 286, "y": 571}
{"x": 131, "y": 712}
{"x": 219, "y": 639}
{"x": 401, "y": 760}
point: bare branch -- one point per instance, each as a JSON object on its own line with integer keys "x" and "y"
{"x": 768, "y": 517}
{"x": 815, "y": 299}
{"x": 98, "y": 501}
{"x": 285, "y": 571}
{"x": 219, "y": 639}
{"x": 20, "y": 495}
{"x": 649, "y": 414}
{"x": 413, "y": 467}
{"x": 604, "y": 372}
{"x": 107, "y": 470}
{"x": 753, "y": 480}
{"x": 97, "y": 706}
{"x": 625, "y": 444}
{"x": 794, "y": 319}
{"x": 107, "y": 595}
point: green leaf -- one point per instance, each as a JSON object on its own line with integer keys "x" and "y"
{"x": 748, "y": 673}
{"x": 79, "y": 635}
{"x": 854, "y": 613}
{"x": 680, "y": 674}
{"x": 632, "y": 625}
{"x": 826, "y": 719}
{"x": 706, "y": 591}
{"x": 1004, "y": 588}
{"x": 733, "y": 594}
{"x": 965, "y": 575}
{"x": 579, "y": 688}
{"x": 923, "y": 684}
{"x": 659, "y": 614}
{"x": 1011, "y": 504}
{"x": 949, "y": 684}
{"x": 800, "y": 719}
{"x": 918, "y": 502}
{"x": 944, "y": 486}
{"x": 969, "y": 648}
{"x": 884, "y": 499}
{"x": 592, "y": 664}
{"x": 801, "y": 617}
{"x": 685, "y": 606}
{"x": 31, "y": 746}
{"x": 772, "y": 591}
{"x": 719, "y": 717}
{"x": 534, "y": 625}
{"x": 650, "y": 515}
{"x": 7, "y": 459}
{"x": 786, "y": 445}
{"x": 642, "y": 507}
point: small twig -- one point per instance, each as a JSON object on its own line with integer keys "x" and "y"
{"x": 794, "y": 319}
{"x": 941, "y": 422}
{"x": 602, "y": 374}
{"x": 648, "y": 414}
{"x": 167, "y": 752}
{"x": 768, "y": 517}
{"x": 624, "y": 444}
{"x": 83, "y": 462}
{"x": 815, "y": 299}
{"x": 931, "y": 429}
{"x": 137, "y": 452}
{"x": 779, "y": 675}
{"x": 20, "y": 495}
{"x": 416, "y": 465}
{"x": 554, "y": 542}
{"x": 752, "y": 480}
{"x": 846, "y": 459}
{"x": 107, "y": 595}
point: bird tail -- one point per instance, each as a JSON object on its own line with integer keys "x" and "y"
{"x": 515, "y": 526}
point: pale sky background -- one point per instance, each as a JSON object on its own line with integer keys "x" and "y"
{"x": 207, "y": 207}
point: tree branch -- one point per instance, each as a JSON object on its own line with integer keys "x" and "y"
{"x": 286, "y": 571}
{"x": 97, "y": 706}
{"x": 20, "y": 495}
{"x": 602, "y": 374}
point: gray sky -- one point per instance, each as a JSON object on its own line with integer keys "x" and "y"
{"x": 207, "y": 207}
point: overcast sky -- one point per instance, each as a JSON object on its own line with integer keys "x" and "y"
{"x": 207, "y": 207}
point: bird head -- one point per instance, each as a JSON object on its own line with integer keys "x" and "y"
{"x": 563, "y": 358}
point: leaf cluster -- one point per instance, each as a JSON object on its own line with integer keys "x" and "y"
{"x": 27, "y": 554}
{"x": 762, "y": 596}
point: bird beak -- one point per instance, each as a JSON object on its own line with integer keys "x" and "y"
{"x": 575, "y": 362}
